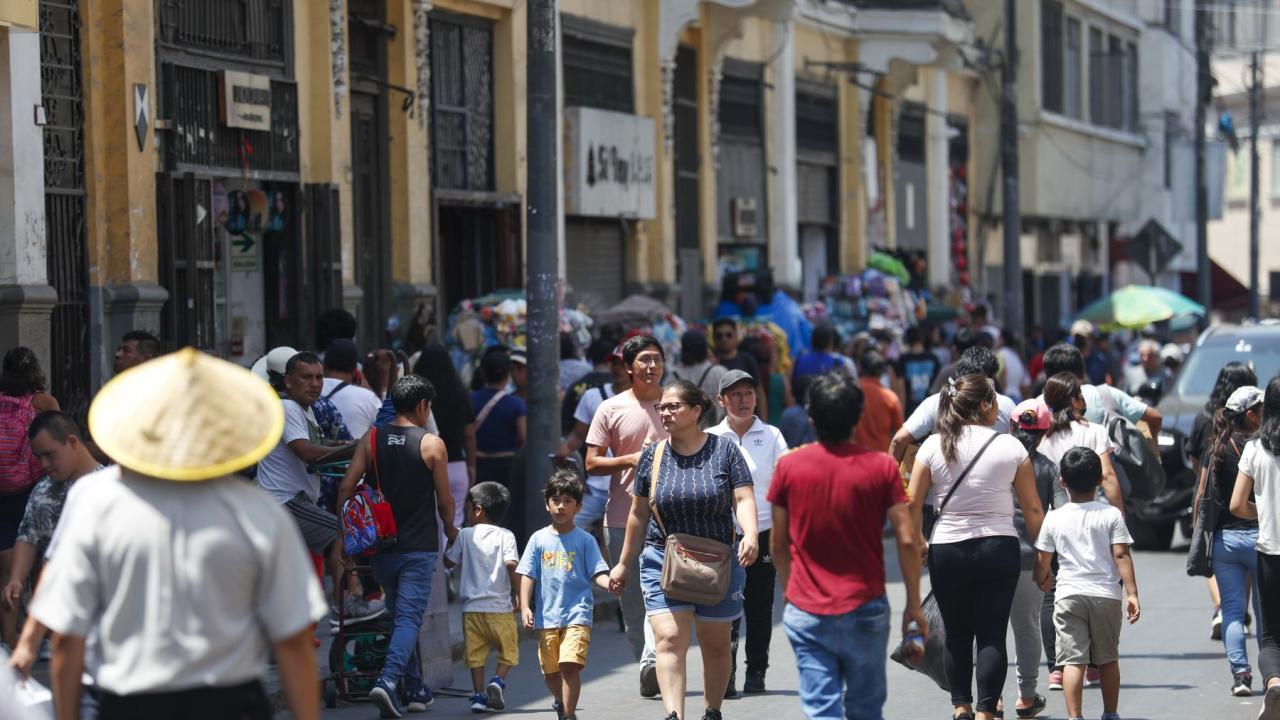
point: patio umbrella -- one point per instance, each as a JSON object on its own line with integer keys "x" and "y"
{"x": 1137, "y": 306}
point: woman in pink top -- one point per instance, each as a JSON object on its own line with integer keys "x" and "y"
{"x": 22, "y": 396}
{"x": 973, "y": 554}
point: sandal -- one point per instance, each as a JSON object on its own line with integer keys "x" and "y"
{"x": 964, "y": 716}
{"x": 1037, "y": 706}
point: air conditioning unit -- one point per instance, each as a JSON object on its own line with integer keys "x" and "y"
{"x": 745, "y": 218}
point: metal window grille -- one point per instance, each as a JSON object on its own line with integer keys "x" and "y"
{"x": 324, "y": 222}
{"x": 740, "y": 108}
{"x": 685, "y": 142}
{"x": 245, "y": 29}
{"x": 597, "y": 74}
{"x": 187, "y": 260}
{"x": 198, "y": 138}
{"x": 62, "y": 96}
{"x": 1051, "y": 54}
{"x": 462, "y": 103}
{"x": 816, "y": 117}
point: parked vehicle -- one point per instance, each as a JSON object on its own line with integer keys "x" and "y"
{"x": 1258, "y": 345}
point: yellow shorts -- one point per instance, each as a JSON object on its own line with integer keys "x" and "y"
{"x": 490, "y": 631}
{"x": 563, "y": 645}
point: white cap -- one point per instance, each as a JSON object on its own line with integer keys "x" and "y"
{"x": 1083, "y": 328}
{"x": 274, "y": 361}
{"x": 1171, "y": 351}
{"x": 1244, "y": 398}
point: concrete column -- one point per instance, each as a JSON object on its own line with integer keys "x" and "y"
{"x": 784, "y": 250}
{"x": 937, "y": 188}
{"x": 26, "y": 299}
{"x": 852, "y": 207}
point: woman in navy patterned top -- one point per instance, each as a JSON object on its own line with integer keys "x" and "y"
{"x": 703, "y": 483}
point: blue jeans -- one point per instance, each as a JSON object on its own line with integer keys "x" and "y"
{"x": 841, "y": 659}
{"x": 1235, "y": 565}
{"x": 406, "y": 584}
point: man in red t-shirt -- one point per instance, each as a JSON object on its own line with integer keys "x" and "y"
{"x": 830, "y": 500}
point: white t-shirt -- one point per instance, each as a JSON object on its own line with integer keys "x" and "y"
{"x": 282, "y": 473}
{"x": 761, "y": 446}
{"x": 1088, "y": 435}
{"x": 1264, "y": 468}
{"x": 481, "y": 554}
{"x": 983, "y": 505}
{"x": 1082, "y": 534}
{"x": 925, "y": 417}
{"x": 134, "y": 561}
{"x": 1015, "y": 373}
{"x": 357, "y": 405}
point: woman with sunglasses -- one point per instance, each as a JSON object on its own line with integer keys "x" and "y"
{"x": 703, "y": 484}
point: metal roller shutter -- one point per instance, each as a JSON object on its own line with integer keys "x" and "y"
{"x": 594, "y": 260}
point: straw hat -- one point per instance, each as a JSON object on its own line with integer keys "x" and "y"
{"x": 186, "y": 416}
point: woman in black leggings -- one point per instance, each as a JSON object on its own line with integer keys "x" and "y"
{"x": 1256, "y": 496}
{"x": 973, "y": 555}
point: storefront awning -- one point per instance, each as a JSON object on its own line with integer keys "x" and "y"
{"x": 1227, "y": 293}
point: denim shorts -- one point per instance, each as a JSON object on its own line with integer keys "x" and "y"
{"x": 656, "y": 601}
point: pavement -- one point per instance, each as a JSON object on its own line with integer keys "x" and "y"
{"x": 1170, "y": 669}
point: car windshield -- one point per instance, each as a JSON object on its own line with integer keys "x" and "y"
{"x": 1201, "y": 371}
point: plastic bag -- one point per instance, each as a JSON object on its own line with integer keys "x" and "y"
{"x": 934, "y": 665}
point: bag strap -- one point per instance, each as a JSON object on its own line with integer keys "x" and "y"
{"x": 337, "y": 389}
{"x": 373, "y": 450}
{"x": 937, "y": 515}
{"x": 653, "y": 485}
{"x": 705, "y": 373}
{"x": 488, "y": 407}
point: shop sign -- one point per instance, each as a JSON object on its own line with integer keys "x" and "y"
{"x": 246, "y": 100}
{"x": 609, "y": 164}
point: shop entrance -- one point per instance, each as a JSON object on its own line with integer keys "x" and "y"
{"x": 479, "y": 249}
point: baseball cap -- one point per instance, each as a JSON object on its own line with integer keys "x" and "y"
{"x": 733, "y": 377}
{"x": 1031, "y": 415}
{"x": 1244, "y": 398}
{"x": 616, "y": 355}
{"x": 274, "y": 361}
{"x": 1171, "y": 351}
{"x": 519, "y": 357}
{"x": 1083, "y": 328}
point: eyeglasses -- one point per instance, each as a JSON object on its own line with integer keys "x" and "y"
{"x": 670, "y": 407}
{"x": 649, "y": 360}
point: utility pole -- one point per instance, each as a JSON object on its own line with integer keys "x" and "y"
{"x": 1203, "y": 290}
{"x": 1255, "y": 124}
{"x": 1013, "y": 317}
{"x": 543, "y": 326}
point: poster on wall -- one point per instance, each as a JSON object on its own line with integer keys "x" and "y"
{"x": 247, "y": 213}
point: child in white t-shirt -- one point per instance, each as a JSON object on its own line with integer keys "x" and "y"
{"x": 488, "y": 558}
{"x": 1092, "y": 544}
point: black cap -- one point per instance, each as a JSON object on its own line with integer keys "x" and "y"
{"x": 733, "y": 377}
{"x": 693, "y": 339}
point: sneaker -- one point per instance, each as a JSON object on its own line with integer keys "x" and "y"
{"x": 357, "y": 610}
{"x": 1092, "y": 678}
{"x": 649, "y": 681}
{"x": 1242, "y": 684}
{"x": 1055, "y": 680}
{"x": 555, "y": 705}
{"x": 1110, "y": 716}
{"x": 672, "y": 716}
{"x": 1215, "y": 627}
{"x": 754, "y": 684}
{"x": 494, "y": 693}
{"x": 1270, "y": 704}
{"x": 479, "y": 703}
{"x": 1036, "y": 707}
{"x": 711, "y": 714}
{"x": 421, "y": 700}
{"x": 383, "y": 696}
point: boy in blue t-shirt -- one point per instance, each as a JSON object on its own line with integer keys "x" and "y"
{"x": 559, "y": 565}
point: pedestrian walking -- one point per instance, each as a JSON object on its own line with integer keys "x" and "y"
{"x": 697, "y": 366}
{"x": 622, "y": 427}
{"x": 917, "y": 367}
{"x": 973, "y": 555}
{"x": 23, "y": 395}
{"x": 824, "y": 357}
{"x": 455, "y": 418}
{"x": 1233, "y": 376}
{"x": 589, "y": 402}
{"x": 356, "y": 405}
{"x": 882, "y": 410}
{"x": 1235, "y": 559}
{"x": 1256, "y": 496}
{"x": 762, "y": 445}
{"x": 560, "y": 565}
{"x": 829, "y": 501}
{"x": 728, "y": 337}
{"x": 1092, "y": 545}
{"x": 795, "y": 426}
{"x": 1099, "y": 399}
{"x": 135, "y": 348}
{"x": 1068, "y": 428}
{"x": 775, "y": 385}
{"x": 187, "y": 575}
{"x": 695, "y": 483}
{"x": 409, "y": 468}
{"x": 501, "y": 428}
{"x": 486, "y": 554}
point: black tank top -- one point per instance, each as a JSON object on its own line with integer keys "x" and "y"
{"x": 409, "y": 486}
